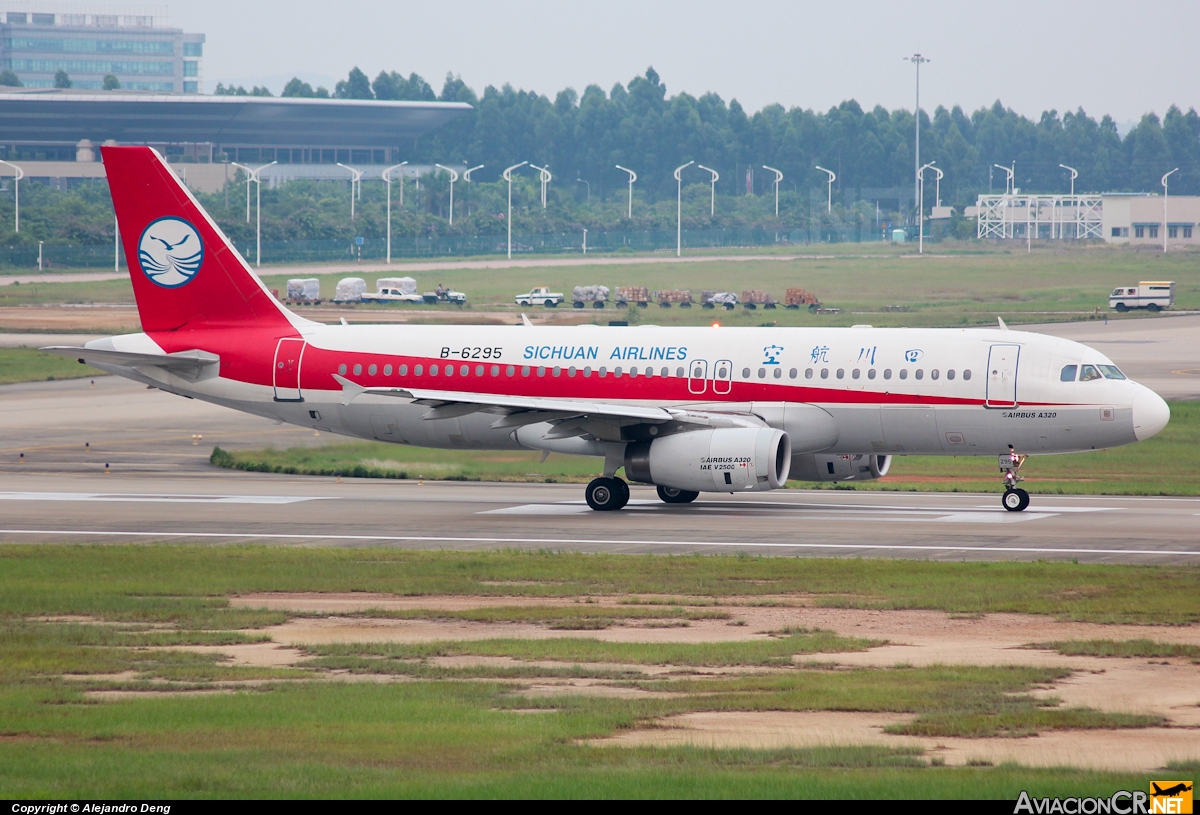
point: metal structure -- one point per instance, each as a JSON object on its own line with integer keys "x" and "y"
{"x": 546, "y": 178}
{"x": 1010, "y": 187}
{"x": 387, "y": 179}
{"x": 467, "y": 179}
{"x": 1166, "y": 223}
{"x": 453, "y": 178}
{"x": 921, "y": 207}
{"x": 508, "y": 177}
{"x": 679, "y": 208}
{"x": 917, "y": 60}
{"x": 632, "y": 178}
{"x": 1057, "y": 217}
{"x": 17, "y": 193}
{"x": 712, "y": 203}
{"x": 254, "y": 176}
{"x": 1074, "y": 175}
{"x": 355, "y": 185}
{"x": 937, "y": 185}
{"x": 778, "y": 178}
{"x": 829, "y": 196}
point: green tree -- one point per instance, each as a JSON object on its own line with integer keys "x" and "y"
{"x": 296, "y": 88}
{"x": 61, "y": 80}
{"x": 9, "y": 79}
{"x": 111, "y": 83}
{"x": 354, "y": 86}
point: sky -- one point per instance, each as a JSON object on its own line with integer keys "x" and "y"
{"x": 1123, "y": 58}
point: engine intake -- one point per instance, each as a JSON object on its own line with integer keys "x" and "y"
{"x": 859, "y": 467}
{"x": 713, "y": 460}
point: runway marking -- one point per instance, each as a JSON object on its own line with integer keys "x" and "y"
{"x": 1035, "y": 550}
{"x": 118, "y": 497}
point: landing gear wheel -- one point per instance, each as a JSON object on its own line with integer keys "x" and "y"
{"x": 1015, "y": 500}
{"x": 607, "y": 494}
{"x": 670, "y": 495}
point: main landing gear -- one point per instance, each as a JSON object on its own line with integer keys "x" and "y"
{"x": 671, "y": 495}
{"x": 1014, "y": 499}
{"x": 607, "y": 494}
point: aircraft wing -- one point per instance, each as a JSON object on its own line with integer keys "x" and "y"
{"x": 180, "y": 360}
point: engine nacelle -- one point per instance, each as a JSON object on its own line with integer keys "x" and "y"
{"x": 862, "y": 467}
{"x": 733, "y": 459}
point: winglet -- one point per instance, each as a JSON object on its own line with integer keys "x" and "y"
{"x": 525, "y": 321}
{"x": 1003, "y": 325}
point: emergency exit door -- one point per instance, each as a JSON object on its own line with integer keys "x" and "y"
{"x": 288, "y": 355}
{"x": 1002, "y": 376}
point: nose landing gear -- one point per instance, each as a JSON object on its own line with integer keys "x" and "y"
{"x": 1014, "y": 499}
{"x": 607, "y": 494}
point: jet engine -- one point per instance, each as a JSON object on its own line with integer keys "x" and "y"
{"x": 859, "y": 467}
{"x": 732, "y": 459}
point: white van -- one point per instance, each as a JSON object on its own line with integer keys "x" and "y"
{"x": 1152, "y": 295}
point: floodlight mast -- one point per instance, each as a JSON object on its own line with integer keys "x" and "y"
{"x": 254, "y": 176}
{"x": 453, "y": 178}
{"x": 508, "y": 177}
{"x": 921, "y": 207}
{"x": 829, "y": 192}
{"x": 1010, "y": 182}
{"x": 679, "y": 208}
{"x": 544, "y": 173}
{"x": 17, "y": 192}
{"x": 355, "y": 185}
{"x": 712, "y": 204}
{"x": 467, "y": 179}
{"x": 778, "y": 178}
{"x": 387, "y": 179}
{"x": 1074, "y": 175}
{"x": 1165, "y": 227}
{"x": 632, "y": 178}
{"x": 917, "y": 60}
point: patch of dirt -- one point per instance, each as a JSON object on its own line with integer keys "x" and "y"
{"x": 588, "y": 687}
{"x": 1137, "y": 750}
{"x": 353, "y": 602}
{"x": 256, "y": 654}
{"x": 1135, "y": 686}
{"x": 124, "y": 695}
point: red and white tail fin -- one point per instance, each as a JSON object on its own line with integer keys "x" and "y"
{"x": 186, "y": 275}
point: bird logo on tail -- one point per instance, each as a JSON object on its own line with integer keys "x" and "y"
{"x": 170, "y": 252}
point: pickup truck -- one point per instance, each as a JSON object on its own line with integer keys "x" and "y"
{"x": 540, "y": 296}
{"x": 394, "y": 290}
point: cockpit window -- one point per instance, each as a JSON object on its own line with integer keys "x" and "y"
{"x": 1088, "y": 372}
{"x": 1068, "y": 373}
{"x": 1112, "y": 372}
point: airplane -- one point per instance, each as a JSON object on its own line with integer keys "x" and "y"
{"x": 688, "y": 410}
{"x": 1170, "y": 792}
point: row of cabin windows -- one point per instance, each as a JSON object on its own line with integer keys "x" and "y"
{"x": 1089, "y": 373}
{"x": 721, "y": 372}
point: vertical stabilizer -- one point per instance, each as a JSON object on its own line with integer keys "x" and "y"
{"x": 186, "y": 275}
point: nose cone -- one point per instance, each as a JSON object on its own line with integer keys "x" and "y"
{"x": 1150, "y": 414}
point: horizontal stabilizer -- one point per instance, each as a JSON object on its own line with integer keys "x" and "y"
{"x": 190, "y": 360}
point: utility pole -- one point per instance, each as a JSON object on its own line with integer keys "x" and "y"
{"x": 508, "y": 177}
{"x": 17, "y": 193}
{"x": 829, "y": 194}
{"x": 355, "y": 185}
{"x": 467, "y": 179}
{"x": 632, "y": 178}
{"x": 917, "y": 60}
{"x": 453, "y": 178}
{"x": 679, "y": 208}
{"x": 256, "y": 178}
{"x": 778, "y": 178}
{"x": 1164, "y": 183}
{"x": 712, "y": 204}
{"x": 387, "y": 179}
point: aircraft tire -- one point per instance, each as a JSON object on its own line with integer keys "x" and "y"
{"x": 670, "y": 495}
{"x": 606, "y": 494}
{"x": 1015, "y": 500}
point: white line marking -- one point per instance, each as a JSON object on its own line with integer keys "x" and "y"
{"x": 155, "y": 499}
{"x": 982, "y": 515}
{"x": 1041, "y": 508}
{"x": 601, "y": 541}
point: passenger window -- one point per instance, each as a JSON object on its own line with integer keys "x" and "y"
{"x": 792, "y": 373}
{"x": 617, "y": 371}
{"x": 808, "y": 372}
{"x": 603, "y": 372}
{"x": 387, "y": 370}
{"x": 433, "y": 370}
{"x": 904, "y": 373}
{"x": 667, "y": 372}
{"x": 762, "y": 373}
{"x": 1068, "y": 373}
{"x": 934, "y": 374}
{"x": 509, "y": 371}
{"x": 571, "y": 371}
{"x": 920, "y": 373}
{"x": 633, "y": 371}
{"x": 587, "y": 371}
{"x": 541, "y": 370}
{"x": 679, "y": 372}
{"x": 870, "y": 373}
{"x": 403, "y": 370}
{"x": 967, "y": 374}
{"x": 419, "y": 370}
{"x": 478, "y": 371}
{"x": 449, "y": 370}
{"x": 887, "y": 373}
{"x": 357, "y": 370}
{"x": 824, "y": 373}
{"x": 950, "y": 374}
{"x": 855, "y": 374}
{"x": 342, "y": 369}
{"x": 496, "y": 370}
{"x": 649, "y": 371}
{"x": 745, "y": 373}
{"x": 524, "y": 370}
{"x": 374, "y": 369}
{"x": 841, "y": 373}
{"x": 1089, "y": 372}
{"x": 557, "y": 371}
{"x": 1112, "y": 372}
{"x": 778, "y": 373}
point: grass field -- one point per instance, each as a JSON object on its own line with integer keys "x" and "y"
{"x": 959, "y": 284}
{"x": 1167, "y": 464}
{"x": 80, "y": 625}
{"x": 31, "y": 365}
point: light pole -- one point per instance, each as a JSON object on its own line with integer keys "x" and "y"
{"x": 544, "y": 175}
{"x": 589, "y": 188}
{"x": 254, "y": 176}
{"x": 585, "y": 241}
{"x": 17, "y": 192}
{"x": 937, "y": 192}
{"x": 508, "y": 177}
{"x": 829, "y": 195}
{"x": 921, "y": 207}
{"x": 1074, "y": 204}
{"x": 387, "y": 179}
{"x": 632, "y": 178}
{"x": 453, "y": 178}
{"x": 1164, "y": 183}
{"x": 467, "y": 179}
{"x": 712, "y": 202}
{"x": 679, "y": 208}
{"x": 1009, "y": 182}
{"x": 778, "y": 178}
{"x": 1074, "y": 175}
{"x": 355, "y": 185}
{"x": 917, "y": 60}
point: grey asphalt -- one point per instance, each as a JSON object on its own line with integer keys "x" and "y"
{"x": 160, "y": 488}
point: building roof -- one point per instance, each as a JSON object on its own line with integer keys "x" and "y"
{"x": 37, "y": 115}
